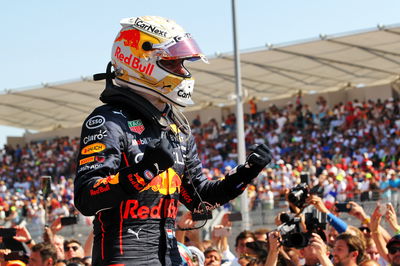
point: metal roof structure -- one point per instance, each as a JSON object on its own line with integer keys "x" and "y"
{"x": 329, "y": 63}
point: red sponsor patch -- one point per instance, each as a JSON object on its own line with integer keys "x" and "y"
{"x": 134, "y": 62}
{"x": 136, "y": 126}
{"x": 100, "y": 190}
{"x": 86, "y": 160}
{"x": 166, "y": 208}
{"x": 100, "y": 159}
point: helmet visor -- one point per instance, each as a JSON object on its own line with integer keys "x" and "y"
{"x": 179, "y": 48}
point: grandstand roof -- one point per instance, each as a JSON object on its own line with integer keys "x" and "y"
{"x": 356, "y": 59}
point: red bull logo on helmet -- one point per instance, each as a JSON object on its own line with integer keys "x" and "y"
{"x": 131, "y": 38}
{"x": 133, "y": 62}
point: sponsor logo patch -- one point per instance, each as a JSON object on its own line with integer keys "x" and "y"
{"x": 136, "y": 126}
{"x": 166, "y": 208}
{"x": 130, "y": 37}
{"x": 166, "y": 183}
{"x": 89, "y": 167}
{"x": 133, "y": 62}
{"x": 95, "y": 122}
{"x": 111, "y": 179}
{"x": 136, "y": 142}
{"x": 148, "y": 174}
{"x": 185, "y": 195}
{"x": 208, "y": 207}
{"x": 100, "y": 159}
{"x": 93, "y": 148}
{"x": 86, "y": 160}
{"x": 149, "y": 28}
{"x": 95, "y": 137}
{"x": 100, "y": 190}
{"x": 184, "y": 95}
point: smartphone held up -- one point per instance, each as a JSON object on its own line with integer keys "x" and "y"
{"x": 69, "y": 220}
{"x": 343, "y": 207}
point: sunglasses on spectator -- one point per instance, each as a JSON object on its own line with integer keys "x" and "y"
{"x": 75, "y": 248}
{"x": 247, "y": 257}
{"x": 393, "y": 250}
{"x": 364, "y": 229}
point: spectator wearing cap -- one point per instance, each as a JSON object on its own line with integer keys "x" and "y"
{"x": 393, "y": 247}
{"x": 197, "y": 256}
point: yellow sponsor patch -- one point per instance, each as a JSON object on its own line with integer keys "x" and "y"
{"x": 93, "y": 148}
{"x": 86, "y": 160}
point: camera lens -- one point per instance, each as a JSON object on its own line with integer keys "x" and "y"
{"x": 297, "y": 240}
{"x": 284, "y": 217}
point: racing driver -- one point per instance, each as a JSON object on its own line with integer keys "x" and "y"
{"x": 138, "y": 157}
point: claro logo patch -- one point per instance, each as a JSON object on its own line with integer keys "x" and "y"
{"x": 93, "y": 148}
{"x": 95, "y": 122}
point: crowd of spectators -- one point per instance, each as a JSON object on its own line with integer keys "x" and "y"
{"x": 349, "y": 150}
{"x": 329, "y": 241}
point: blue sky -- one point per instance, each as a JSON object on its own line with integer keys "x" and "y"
{"x": 51, "y": 41}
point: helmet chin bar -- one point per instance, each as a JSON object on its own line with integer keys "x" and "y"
{"x": 181, "y": 91}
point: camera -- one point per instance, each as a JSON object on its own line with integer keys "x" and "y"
{"x": 8, "y": 232}
{"x": 17, "y": 255}
{"x": 294, "y": 237}
{"x": 298, "y": 194}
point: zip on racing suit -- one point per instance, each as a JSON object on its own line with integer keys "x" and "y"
{"x": 134, "y": 208}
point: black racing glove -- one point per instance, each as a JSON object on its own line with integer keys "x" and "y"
{"x": 237, "y": 180}
{"x": 156, "y": 159}
{"x": 157, "y": 156}
{"x": 260, "y": 157}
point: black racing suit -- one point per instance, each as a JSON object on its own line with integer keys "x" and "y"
{"x": 135, "y": 217}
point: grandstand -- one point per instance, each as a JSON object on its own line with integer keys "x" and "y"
{"x": 358, "y": 65}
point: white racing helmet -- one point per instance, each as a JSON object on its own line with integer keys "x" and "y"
{"x": 148, "y": 55}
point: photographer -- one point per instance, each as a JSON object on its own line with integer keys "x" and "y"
{"x": 276, "y": 254}
{"x": 316, "y": 253}
{"x": 333, "y": 220}
{"x": 274, "y": 247}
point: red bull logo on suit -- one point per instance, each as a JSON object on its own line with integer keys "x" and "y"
{"x": 166, "y": 183}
